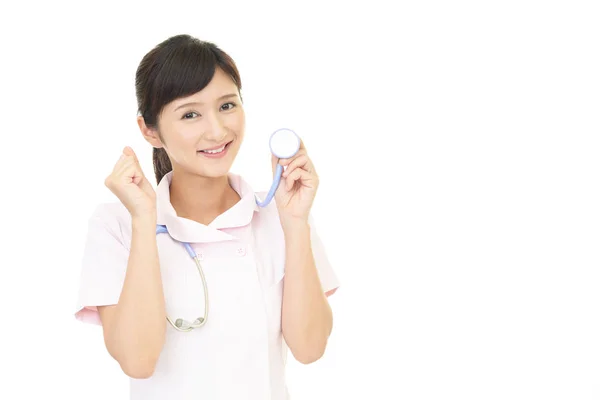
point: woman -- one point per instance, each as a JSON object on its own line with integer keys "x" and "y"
{"x": 267, "y": 274}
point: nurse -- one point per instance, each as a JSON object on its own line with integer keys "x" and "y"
{"x": 267, "y": 272}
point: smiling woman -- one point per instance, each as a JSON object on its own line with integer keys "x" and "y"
{"x": 197, "y": 91}
{"x": 268, "y": 276}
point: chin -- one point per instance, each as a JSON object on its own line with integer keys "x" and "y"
{"x": 214, "y": 171}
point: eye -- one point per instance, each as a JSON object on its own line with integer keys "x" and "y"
{"x": 190, "y": 115}
{"x": 232, "y": 106}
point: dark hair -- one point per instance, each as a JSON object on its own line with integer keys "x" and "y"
{"x": 178, "y": 67}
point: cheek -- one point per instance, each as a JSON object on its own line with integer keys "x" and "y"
{"x": 188, "y": 134}
{"x": 237, "y": 123}
{"x": 180, "y": 141}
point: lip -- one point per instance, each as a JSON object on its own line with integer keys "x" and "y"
{"x": 217, "y": 155}
{"x": 217, "y": 147}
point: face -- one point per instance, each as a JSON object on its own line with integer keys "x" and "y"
{"x": 202, "y": 133}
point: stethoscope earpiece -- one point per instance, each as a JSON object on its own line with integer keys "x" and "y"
{"x": 284, "y": 143}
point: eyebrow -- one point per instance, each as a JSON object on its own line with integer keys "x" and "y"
{"x": 200, "y": 104}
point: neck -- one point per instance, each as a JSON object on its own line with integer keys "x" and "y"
{"x": 201, "y": 198}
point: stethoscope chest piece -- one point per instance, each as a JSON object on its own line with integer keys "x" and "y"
{"x": 284, "y": 143}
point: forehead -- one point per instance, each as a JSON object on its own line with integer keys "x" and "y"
{"x": 220, "y": 85}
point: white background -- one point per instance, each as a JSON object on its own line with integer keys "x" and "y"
{"x": 458, "y": 148}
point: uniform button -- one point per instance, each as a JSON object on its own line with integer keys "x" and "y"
{"x": 241, "y": 251}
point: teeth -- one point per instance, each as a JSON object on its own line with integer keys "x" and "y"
{"x": 214, "y": 151}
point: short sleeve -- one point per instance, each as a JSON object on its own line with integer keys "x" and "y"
{"x": 104, "y": 264}
{"x": 327, "y": 275}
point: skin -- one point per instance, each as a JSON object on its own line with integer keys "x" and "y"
{"x": 200, "y": 191}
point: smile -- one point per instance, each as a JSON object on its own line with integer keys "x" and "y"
{"x": 215, "y": 153}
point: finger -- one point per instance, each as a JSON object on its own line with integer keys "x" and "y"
{"x": 302, "y": 147}
{"x": 299, "y": 162}
{"x": 128, "y": 151}
{"x": 297, "y": 175}
{"x": 290, "y": 170}
{"x": 286, "y": 161}
{"x": 128, "y": 172}
{"x": 126, "y": 154}
{"x": 125, "y": 167}
{"x": 123, "y": 170}
{"x": 122, "y": 159}
{"x": 137, "y": 175}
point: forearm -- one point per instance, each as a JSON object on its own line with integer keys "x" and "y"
{"x": 139, "y": 327}
{"x": 306, "y": 314}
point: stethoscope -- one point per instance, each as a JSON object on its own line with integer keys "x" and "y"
{"x": 284, "y": 143}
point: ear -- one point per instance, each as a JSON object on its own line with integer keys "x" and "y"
{"x": 151, "y": 135}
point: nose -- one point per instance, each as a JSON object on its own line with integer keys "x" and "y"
{"x": 216, "y": 130}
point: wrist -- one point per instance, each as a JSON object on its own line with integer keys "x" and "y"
{"x": 145, "y": 221}
{"x": 294, "y": 226}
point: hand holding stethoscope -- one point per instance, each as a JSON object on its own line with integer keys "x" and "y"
{"x": 296, "y": 193}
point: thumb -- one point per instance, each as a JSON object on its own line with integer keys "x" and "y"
{"x": 128, "y": 151}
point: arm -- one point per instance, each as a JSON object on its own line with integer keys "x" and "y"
{"x": 134, "y": 329}
{"x": 306, "y": 315}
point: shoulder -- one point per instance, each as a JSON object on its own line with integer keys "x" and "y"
{"x": 111, "y": 213}
{"x": 111, "y": 217}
